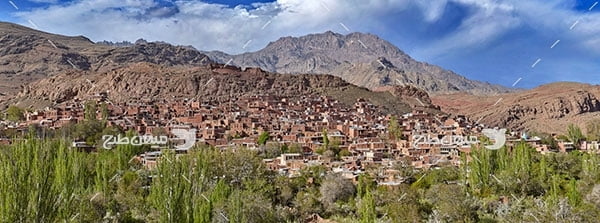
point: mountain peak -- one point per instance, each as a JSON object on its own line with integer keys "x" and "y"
{"x": 353, "y": 47}
{"x": 362, "y": 54}
{"x": 330, "y": 33}
{"x": 354, "y": 38}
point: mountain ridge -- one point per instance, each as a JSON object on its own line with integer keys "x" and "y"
{"x": 41, "y": 69}
{"x": 27, "y": 55}
{"x": 212, "y": 82}
{"x": 548, "y": 108}
{"x": 334, "y": 53}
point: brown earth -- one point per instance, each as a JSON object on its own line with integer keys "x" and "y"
{"x": 548, "y": 108}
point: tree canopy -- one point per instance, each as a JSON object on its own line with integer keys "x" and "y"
{"x": 15, "y": 114}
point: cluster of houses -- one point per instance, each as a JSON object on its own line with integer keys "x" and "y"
{"x": 362, "y": 135}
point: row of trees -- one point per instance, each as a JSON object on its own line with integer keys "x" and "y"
{"x": 47, "y": 181}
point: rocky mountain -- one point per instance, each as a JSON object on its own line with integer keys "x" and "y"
{"x": 41, "y": 69}
{"x": 362, "y": 59}
{"x": 27, "y": 55}
{"x": 214, "y": 82}
{"x": 548, "y": 108}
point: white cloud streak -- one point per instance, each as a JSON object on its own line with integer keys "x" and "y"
{"x": 213, "y": 26}
{"x": 43, "y": 1}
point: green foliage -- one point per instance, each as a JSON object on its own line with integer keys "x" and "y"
{"x": 481, "y": 168}
{"x": 572, "y": 193}
{"x": 15, "y": 114}
{"x": 436, "y": 176}
{"x": 170, "y": 189}
{"x": 90, "y": 131}
{"x": 345, "y": 152}
{"x": 46, "y": 181}
{"x": 263, "y": 138}
{"x": 9, "y": 133}
{"x": 40, "y": 181}
{"x": 590, "y": 169}
{"x": 307, "y": 203}
{"x": 551, "y": 142}
{"x": 593, "y": 130}
{"x": 402, "y": 204}
{"x": 509, "y": 171}
{"x": 89, "y": 111}
{"x": 574, "y": 134}
{"x": 181, "y": 189}
{"x": 325, "y": 138}
{"x": 365, "y": 183}
{"x": 273, "y": 150}
{"x": 394, "y": 129}
{"x": 320, "y": 151}
{"x": 294, "y": 148}
{"x": 451, "y": 204}
{"x": 104, "y": 111}
{"x": 330, "y": 148}
{"x": 367, "y": 208}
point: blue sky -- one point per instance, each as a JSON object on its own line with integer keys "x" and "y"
{"x": 497, "y": 41}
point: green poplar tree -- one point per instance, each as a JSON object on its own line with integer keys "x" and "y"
{"x": 367, "y": 208}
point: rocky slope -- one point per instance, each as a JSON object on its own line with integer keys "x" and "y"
{"x": 549, "y": 108}
{"x": 27, "y": 55}
{"x": 148, "y": 81}
{"x": 362, "y": 59}
{"x": 414, "y": 96}
{"x": 41, "y": 69}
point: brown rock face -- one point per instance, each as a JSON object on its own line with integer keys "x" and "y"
{"x": 41, "y": 69}
{"x": 549, "y": 108}
{"x": 27, "y": 55}
{"x": 414, "y": 96}
{"x": 147, "y": 81}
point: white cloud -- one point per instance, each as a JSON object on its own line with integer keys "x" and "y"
{"x": 432, "y": 9}
{"x": 483, "y": 26}
{"x": 213, "y": 26}
{"x": 44, "y": 1}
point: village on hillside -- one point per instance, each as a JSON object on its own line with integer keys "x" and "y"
{"x": 314, "y": 130}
